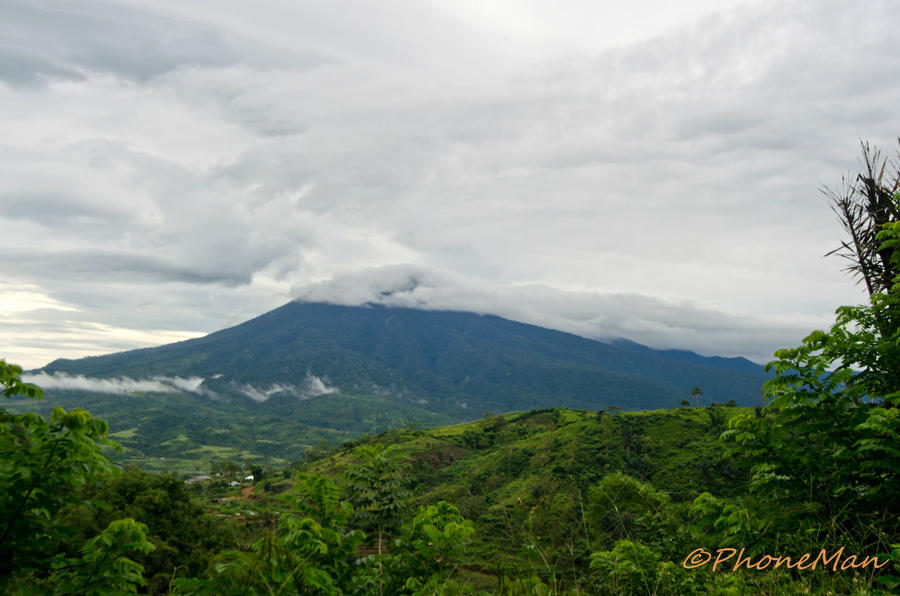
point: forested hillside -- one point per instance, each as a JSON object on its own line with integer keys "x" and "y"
{"x": 455, "y": 363}
{"x": 549, "y": 501}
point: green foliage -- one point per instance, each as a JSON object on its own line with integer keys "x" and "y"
{"x": 378, "y": 487}
{"x": 184, "y": 534}
{"x": 731, "y": 522}
{"x": 625, "y": 507}
{"x": 524, "y": 586}
{"x": 824, "y": 452}
{"x": 43, "y": 466}
{"x": 631, "y": 568}
{"x": 188, "y": 434}
{"x": 315, "y": 549}
{"x": 319, "y": 535}
{"x": 428, "y": 547}
{"x": 11, "y": 381}
{"x": 103, "y": 568}
{"x": 533, "y": 494}
{"x": 826, "y": 447}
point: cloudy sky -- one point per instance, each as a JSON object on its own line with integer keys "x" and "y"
{"x": 648, "y": 170}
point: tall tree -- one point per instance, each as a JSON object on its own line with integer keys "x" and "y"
{"x": 377, "y": 485}
{"x": 864, "y": 205}
{"x": 824, "y": 451}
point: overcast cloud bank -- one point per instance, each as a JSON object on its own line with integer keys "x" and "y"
{"x": 170, "y": 169}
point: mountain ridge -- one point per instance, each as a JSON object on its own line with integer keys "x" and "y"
{"x": 451, "y": 359}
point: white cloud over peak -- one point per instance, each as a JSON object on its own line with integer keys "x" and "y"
{"x": 657, "y": 322}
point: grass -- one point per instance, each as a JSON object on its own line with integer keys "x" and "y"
{"x": 128, "y": 433}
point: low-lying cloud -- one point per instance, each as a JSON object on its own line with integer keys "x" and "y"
{"x": 117, "y": 385}
{"x": 313, "y": 386}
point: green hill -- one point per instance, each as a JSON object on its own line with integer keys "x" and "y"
{"x": 526, "y": 478}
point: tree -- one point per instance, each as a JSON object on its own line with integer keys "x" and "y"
{"x": 185, "y": 535}
{"x": 864, "y": 206}
{"x": 631, "y": 568}
{"x": 104, "y": 567}
{"x": 377, "y": 485}
{"x": 427, "y": 548}
{"x": 824, "y": 452}
{"x": 866, "y": 339}
{"x": 313, "y": 551}
{"x": 43, "y": 465}
{"x": 696, "y": 392}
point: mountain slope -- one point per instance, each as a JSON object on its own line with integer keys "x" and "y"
{"x": 450, "y": 362}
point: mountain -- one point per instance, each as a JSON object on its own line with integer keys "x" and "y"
{"x": 452, "y": 362}
{"x": 310, "y": 372}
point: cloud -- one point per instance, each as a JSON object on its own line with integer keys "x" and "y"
{"x": 100, "y": 265}
{"x": 652, "y": 321}
{"x": 59, "y": 40}
{"x": 171, "y": 169}
{"x": 116, "y": 385}
{"x": 60, "y": 210}
{"x": 33, "y": 336}
{"x": 313, "y": 386}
